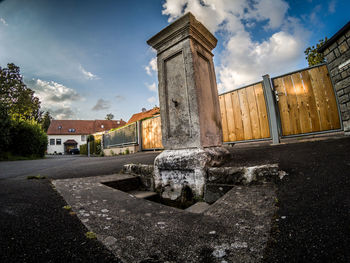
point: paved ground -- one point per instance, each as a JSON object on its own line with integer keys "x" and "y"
{"x": 311, "y": 225}
{"x": 233, "y": 229}
{"x": 33, "y": 225}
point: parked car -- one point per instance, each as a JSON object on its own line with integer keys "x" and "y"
{"x": 74, "y": 151}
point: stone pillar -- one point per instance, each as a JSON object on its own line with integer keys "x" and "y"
{"x": 189, "y": 107}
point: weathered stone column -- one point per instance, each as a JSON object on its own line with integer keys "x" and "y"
{"x": 189, "y": 108}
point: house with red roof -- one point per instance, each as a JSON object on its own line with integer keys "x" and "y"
{"x": 144, "y": 114}
{"x": 64, "y": 135}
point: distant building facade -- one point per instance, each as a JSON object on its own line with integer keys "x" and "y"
{"x": 64, "y": 135}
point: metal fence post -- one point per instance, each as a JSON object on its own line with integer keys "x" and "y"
{"x": 271, "y": 109}
{"x": 139, "y": 134}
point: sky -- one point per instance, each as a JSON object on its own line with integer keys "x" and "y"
{"x": 85, "y": 59}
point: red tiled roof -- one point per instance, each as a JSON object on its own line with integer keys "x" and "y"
{"x": 143, "y": 115}
{"x": 66, "y": 127}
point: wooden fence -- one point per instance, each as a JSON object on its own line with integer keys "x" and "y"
{"x": 151, "y": 133}
{"x": 244, "y": 114}
{"x": 307, "y": 101}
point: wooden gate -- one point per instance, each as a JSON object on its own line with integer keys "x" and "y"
{"x": 244, "y": 115}
{"x": 306, "y": 101}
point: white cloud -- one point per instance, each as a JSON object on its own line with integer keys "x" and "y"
{"x": 331, "y": 6}
{"x": 151, "y": 67}
{"x": 55, "y": 98}
{"x": 269, "y": 10}
{"x": 152, "y": 87}
{"x": 87, "y": 74}
{"x": 243, "y": 59}
{"x": 152, "y": 100}
{"x": 63, "y": 113}
{"x": 2, "y": 20}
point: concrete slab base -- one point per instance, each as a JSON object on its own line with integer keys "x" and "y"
{"x": 175, "y": 171}
{"x": 234, "y": 229}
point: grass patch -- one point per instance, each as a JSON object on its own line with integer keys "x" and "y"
{"x": 90, "y": 235}
{"x": 36, "y": 177}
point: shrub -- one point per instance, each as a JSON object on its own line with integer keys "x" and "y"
{"x": 97, "y": 147}
{"x": 27, "y": 138}
{"x": 83, "y": 149}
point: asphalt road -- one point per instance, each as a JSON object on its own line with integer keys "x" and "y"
{"x": 70, "y": 166}
{"x": 311, "y": 225}
{"x": 33, "y": 225}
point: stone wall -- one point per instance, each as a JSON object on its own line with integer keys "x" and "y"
{"x": 338, "y": 59}
{"x": 118, "y": 150}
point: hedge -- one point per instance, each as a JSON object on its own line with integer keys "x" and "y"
{"x": 25, "y": 138}
{"x": 95, "y": 148}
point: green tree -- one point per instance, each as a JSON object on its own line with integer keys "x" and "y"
{"x": 109, "y": 116}
{"x": 312, "y": 56}
{"x": 16, "y": 97}
{"x": 5, "y": 128}
{"x": 28, "y": 139}
{"x": 46, "y": 121}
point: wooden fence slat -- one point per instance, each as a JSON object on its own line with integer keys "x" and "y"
{"x": 310, "y": 102}
{"x": 319, "y": 98}
{"x": 331, "y": 101}
{"x": 300, "y": 93}
{"x": 239, "y": 131}
{"x": 224, "y": 118}
{"x": 262, "y": 111}
{"x": 292, "y": 105}
{"x": 231, "y": 119}
{"x": 284, "y": 110}
{"x": 253, "y": 113}
{"x": 247, "y": 127}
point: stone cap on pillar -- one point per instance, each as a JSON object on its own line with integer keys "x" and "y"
{"x": 184, "y": 27}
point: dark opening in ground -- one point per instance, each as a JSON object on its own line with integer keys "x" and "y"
{"x": 135, "y": 187}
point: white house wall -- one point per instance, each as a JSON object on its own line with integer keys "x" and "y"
{"x": 60, "y": 148}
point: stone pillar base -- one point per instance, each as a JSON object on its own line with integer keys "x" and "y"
{"x": 180, "y": 174}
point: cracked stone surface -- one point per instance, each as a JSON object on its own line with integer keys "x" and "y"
{"x": 233, "y": 229}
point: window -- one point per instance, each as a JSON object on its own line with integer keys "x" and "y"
{"x": 83, "y": 138}
{"x": 58, "y": 142}
{"x": 52, "y": 141}
{"x": 102, "y": 126}
{"x": 71, "y": 130}
{"x": 60, "y": 127}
